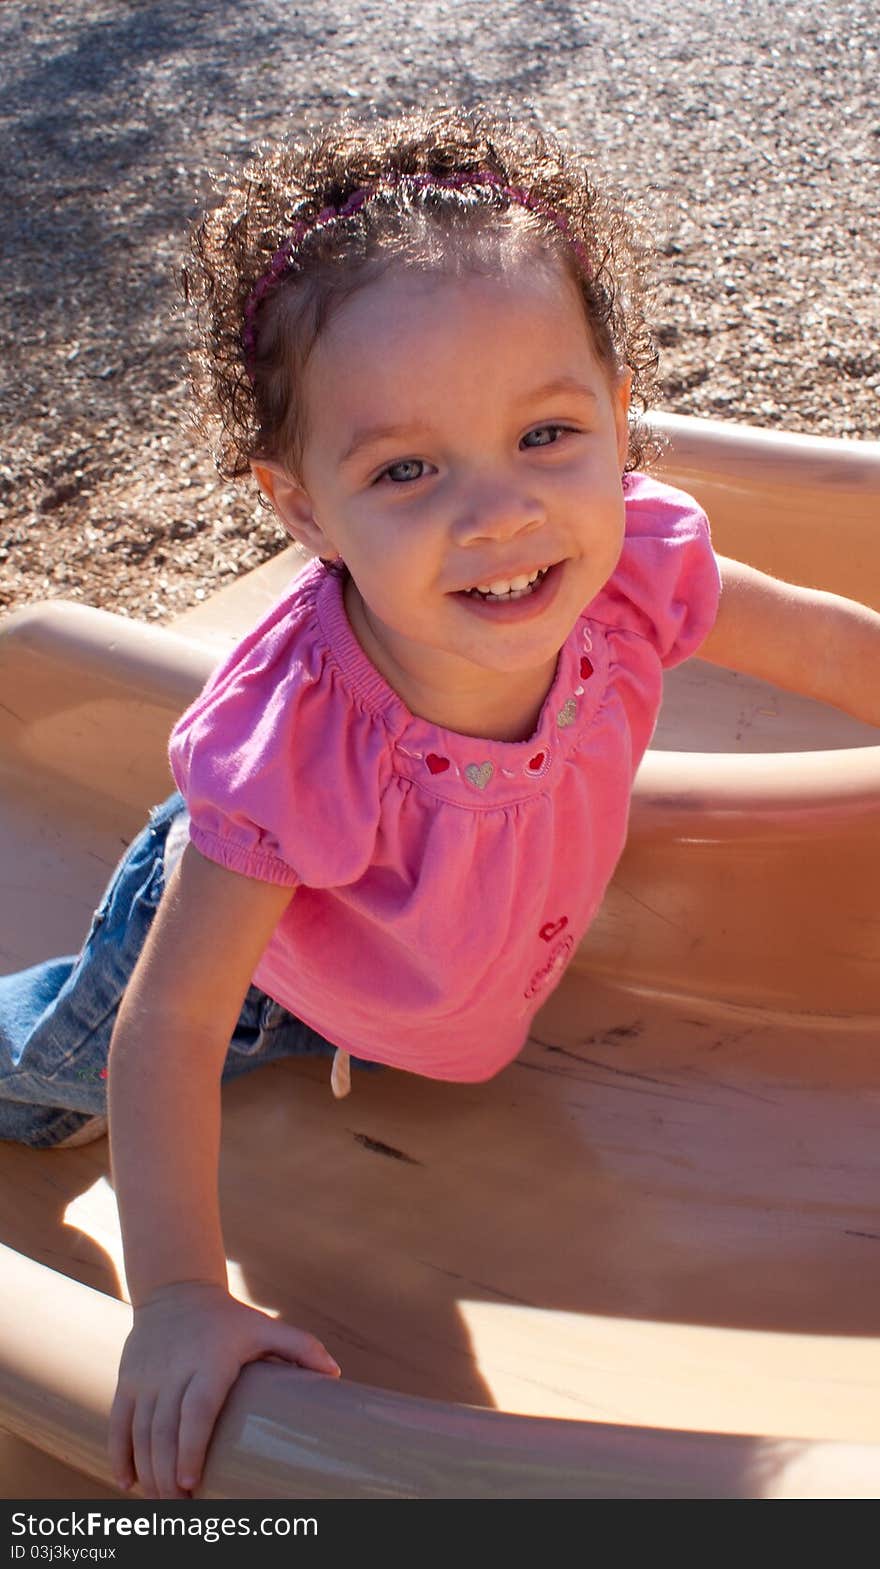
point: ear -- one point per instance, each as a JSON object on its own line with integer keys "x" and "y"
{"x": 620, "y": 396}
{"x": 292, "y": 505}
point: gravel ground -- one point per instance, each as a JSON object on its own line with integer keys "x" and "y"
{"x": 748, "y": 130}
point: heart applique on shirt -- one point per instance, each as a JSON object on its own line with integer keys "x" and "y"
{"x": 437, "y": 765}
{"x": 586, "y": 668}
{"x": 479, "y": 774}
{"x": 536, "y": 766}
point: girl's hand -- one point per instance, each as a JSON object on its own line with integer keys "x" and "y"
{"x": 188, "y": 1343}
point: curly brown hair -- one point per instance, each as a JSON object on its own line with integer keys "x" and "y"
{"x": 257, "y": 323}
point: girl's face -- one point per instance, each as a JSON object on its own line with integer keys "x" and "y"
{"x": 462, "y": 431}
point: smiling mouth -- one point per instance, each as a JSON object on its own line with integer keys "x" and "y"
{"x": 518, "y": 588}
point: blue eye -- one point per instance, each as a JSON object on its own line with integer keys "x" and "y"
{"x": 547, "y": 435}
{"x": 404, "y": 472}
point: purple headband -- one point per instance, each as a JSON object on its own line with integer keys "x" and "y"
{"x": 454, "y": 182}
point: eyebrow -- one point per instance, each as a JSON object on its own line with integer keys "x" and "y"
{"x": 371, "y": 435}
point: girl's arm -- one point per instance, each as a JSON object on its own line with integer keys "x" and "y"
{"x": 166, "y": 1059}
{"x": 804, "y": 639}
{"x": 189, "y": 1338}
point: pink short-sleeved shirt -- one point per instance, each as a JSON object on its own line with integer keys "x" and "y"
{"x": 443, "y": 882}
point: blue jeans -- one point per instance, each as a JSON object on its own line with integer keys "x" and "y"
{"x": 56, "y": 1019}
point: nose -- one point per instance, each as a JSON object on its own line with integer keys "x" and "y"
{"x": 495, "y": 507}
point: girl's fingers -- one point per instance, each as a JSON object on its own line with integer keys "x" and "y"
{"x": 204, "y": 1397}
{"x": 164, "y": 1439}
{"x": 199, "y": 1410}
{"x": 160, "y": 1437}
{"x": 142, "y": 1443}
{"x": 296, "y": 1346}
{"x": 119, "y": 1440}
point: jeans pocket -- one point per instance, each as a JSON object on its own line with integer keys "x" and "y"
{"x": 248, "y": 1038}
{"x": 266, "y": 1031}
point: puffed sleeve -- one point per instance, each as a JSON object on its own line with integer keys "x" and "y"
{"x": 666, "y": 584}
{"x": 279, "y": 767}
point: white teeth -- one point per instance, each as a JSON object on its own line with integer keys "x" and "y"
{"x": 515, "y": 583}
{"x": 517, "y": 588}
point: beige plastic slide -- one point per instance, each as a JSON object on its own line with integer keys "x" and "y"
{"x": 645, "y": 1260}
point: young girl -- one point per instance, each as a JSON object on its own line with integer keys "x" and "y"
{"x": 402, "y": 796}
